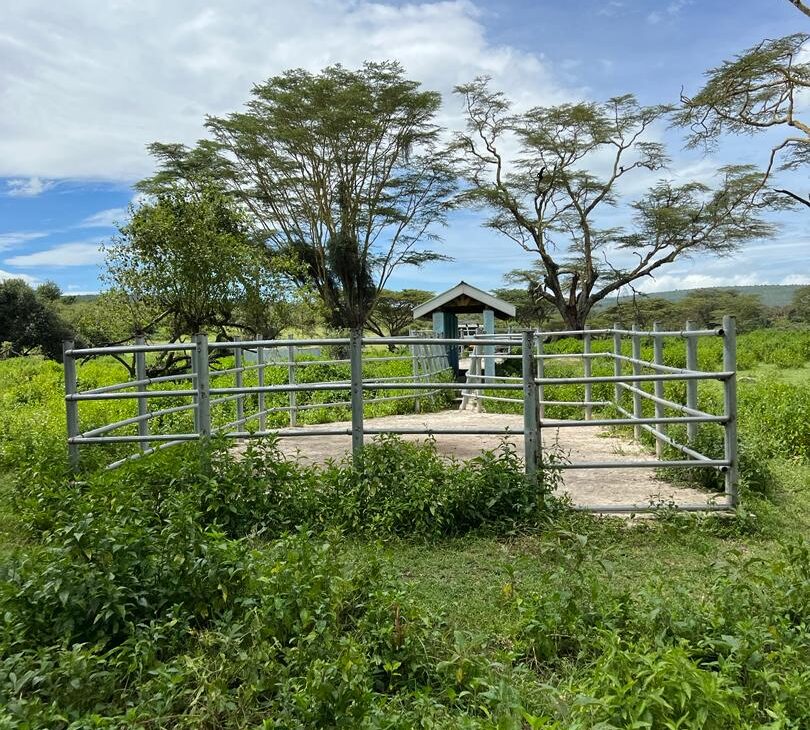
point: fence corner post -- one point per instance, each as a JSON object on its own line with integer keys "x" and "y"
{"x": 203, "y": 387}
{"x": 415, "y": 373}
{"x": 239, "y": 380}
{"x": 260, "y": 371}
{"x": 356, "y": 358}
{"x": 658, "y": 389}
{"x": 292, "y": 379}
{"x": 617, "y": 363}
{"x": 71, "y": 405}
{"x": 587, "y": 370}
{"x": 540, "y": 366}
{"x": 531, "y": 416}
{"x": 143, "y": 405}
{"x": 691, "y": 385}
{"x": 636, "y": 351}
{"x": 730, "y": 398}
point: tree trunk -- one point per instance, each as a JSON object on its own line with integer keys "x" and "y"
{"x": 574, "y": 319}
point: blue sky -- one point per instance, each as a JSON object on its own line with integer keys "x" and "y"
{"x": 85, "y": 86}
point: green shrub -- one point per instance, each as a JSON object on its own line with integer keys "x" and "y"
{"x": 734, "y": 654}
{"x": 408, "y": 489}
{"x": 160, "y": 623}
{"x": 397, "y": 488}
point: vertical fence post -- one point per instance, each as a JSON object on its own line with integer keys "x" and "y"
{"x": 356, "y": 357}
{"x": 203, "y": 387}
{"x": 531, "y": 415}
{"x": 636, "y": 349}
{"x": 195, "y": 384}
{"x": 658, "y": 359}
{"x": 260, "y": 369}
{"x": 292, "y": 379}
{"x": 240, "y": 383}
{"x": 143, "y": 405}
{"x": 71, "y": 406}
{"x": 540, "y": 366}
{"x": 586, "y": 351}
{"x": 691, "y": 385}
{"x": 415, "y": 373}
{"x": 617, "y": 363}
{"x": 730, "y": 407}
{"x": 479, "y": 372}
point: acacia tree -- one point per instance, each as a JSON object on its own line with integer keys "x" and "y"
{"x": 191, "y": 259}
{"x": 531, "y": 309}
{"x": 545, "y": 199}
{"x": 800, "y": 305}
{"x": 394, "y": 311}
{"x": 759, "y": 90}
{"x": 340, "y": 168}
{"x": 800, "y": 6}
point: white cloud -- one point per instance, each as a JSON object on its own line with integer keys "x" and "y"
{"x": 85, "y": 86}
{"x": 27, "y": 187}
{"x": 6, "y": 275}
{"x": 610, "y": 9}
{"x": 105, "y": 218}
{"x": 797, "y": 279}
{"x": 670, "y": 11}
{"x": 79, "y": 253}
{"x": 9, "y": 240}
{"x": 668, "y": 282}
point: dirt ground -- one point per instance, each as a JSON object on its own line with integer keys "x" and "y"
{"x": 589, "y": 443}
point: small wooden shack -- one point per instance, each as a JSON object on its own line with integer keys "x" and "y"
{"x": 464, "y": 298}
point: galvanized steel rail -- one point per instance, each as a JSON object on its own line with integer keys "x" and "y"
{"x": 428, "y": 356}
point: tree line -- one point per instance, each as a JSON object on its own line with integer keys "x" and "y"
{"x": 38, "y": 319}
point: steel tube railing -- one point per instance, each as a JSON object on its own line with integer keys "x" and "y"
{"x": 640, "y": 464}
{"x": 422, "y": 380}
{"x": 636, "y": 378}
{"x": 645, "y": 508}
{"x": 134, "y": 394}
{"x": 632, "y": 421}
{"x": 716, "y": 332}
{"x": 666, "y": 439}
{"x": 128, "y": 349}
{"x": 653, "y": 365}
{"x": 142, "y": 381}
{"x": 134, "y": 439}
{"x": 667, "y": 403}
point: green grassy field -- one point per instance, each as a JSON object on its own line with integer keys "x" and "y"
{"x": 405, "y": 593}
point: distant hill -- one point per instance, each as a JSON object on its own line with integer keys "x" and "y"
{"x": 79, "y": 297}
{"x": 771, "y": 295}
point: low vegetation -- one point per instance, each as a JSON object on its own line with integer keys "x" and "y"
{"x": 200, "y": 590}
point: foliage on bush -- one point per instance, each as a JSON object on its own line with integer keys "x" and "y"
{"x": 158, "y": 595}
{"x": 665, "y": 655}
{"x": 145, "y": 601}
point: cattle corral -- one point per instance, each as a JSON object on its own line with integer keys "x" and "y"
{"x": 603, "y": 472}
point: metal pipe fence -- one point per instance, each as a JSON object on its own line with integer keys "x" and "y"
{"x": 279, "y": 370}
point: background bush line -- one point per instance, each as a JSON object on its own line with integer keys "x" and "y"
{"x": 774, "y": 415}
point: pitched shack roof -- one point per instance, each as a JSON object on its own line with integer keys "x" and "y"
{"x": 465, "y": 298}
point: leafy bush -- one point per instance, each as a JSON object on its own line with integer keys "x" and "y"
{"x": 776, "y": 417}
{"x": 138, "y": 609}
{"x": 401, "y": 488}
{"x": 664, "y": 655}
